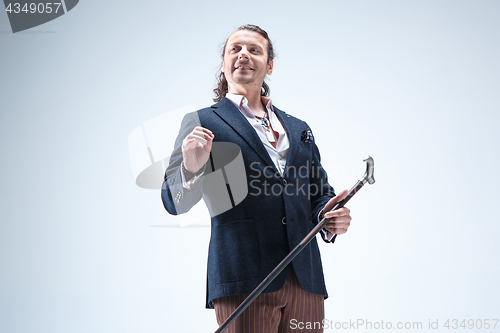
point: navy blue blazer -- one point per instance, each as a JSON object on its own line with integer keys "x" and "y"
{"x": 250, "y": 239}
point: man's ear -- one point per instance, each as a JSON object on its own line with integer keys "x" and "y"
{"x": 269, "y": 68}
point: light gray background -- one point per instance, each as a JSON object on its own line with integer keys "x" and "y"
{"x": 415, "y": 84}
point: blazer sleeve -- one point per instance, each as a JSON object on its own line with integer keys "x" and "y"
{"x": 319, "y": 178}
{"x": 177, "y": 199}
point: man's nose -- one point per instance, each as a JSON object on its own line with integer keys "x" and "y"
{"x": 243, "y": 54}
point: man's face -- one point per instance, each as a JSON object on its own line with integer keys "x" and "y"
{"x": 245, "y": 59}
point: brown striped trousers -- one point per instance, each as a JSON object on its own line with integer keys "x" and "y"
{"x": 290, "y": 309}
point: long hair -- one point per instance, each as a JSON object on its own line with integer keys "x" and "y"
{"x": 222, "y": 87}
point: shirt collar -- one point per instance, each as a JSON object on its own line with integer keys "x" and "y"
{"x": 240, "y": 100}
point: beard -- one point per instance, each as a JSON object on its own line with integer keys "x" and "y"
{"x": 245, "y": 79}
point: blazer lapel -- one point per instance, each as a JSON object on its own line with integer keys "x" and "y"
{"x": 293, "y": 134}
{"x": 229, "y": 113}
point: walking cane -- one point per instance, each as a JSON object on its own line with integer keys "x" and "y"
{"x": 367, "y": 178}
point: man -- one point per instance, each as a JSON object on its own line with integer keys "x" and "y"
{"x": 287, "y": 191}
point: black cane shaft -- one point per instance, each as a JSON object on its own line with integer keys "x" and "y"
{"x": 276, "y": 271}
{"x": 351, "y": 193}
{"x": 348, "y": 197}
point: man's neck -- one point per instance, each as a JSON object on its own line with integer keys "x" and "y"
{"x": 253, "y": 99}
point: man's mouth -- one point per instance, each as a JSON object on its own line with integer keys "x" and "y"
{"x": 243, "y": 67}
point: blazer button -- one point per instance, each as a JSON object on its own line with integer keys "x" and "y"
{"x": 284, "y": 182}
{"x": 283, "y": 220}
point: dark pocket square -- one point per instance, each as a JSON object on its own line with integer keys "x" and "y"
{"x": 306, "y": 136}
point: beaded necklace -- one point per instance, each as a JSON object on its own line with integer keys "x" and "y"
{"x": 267, "y": 128}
